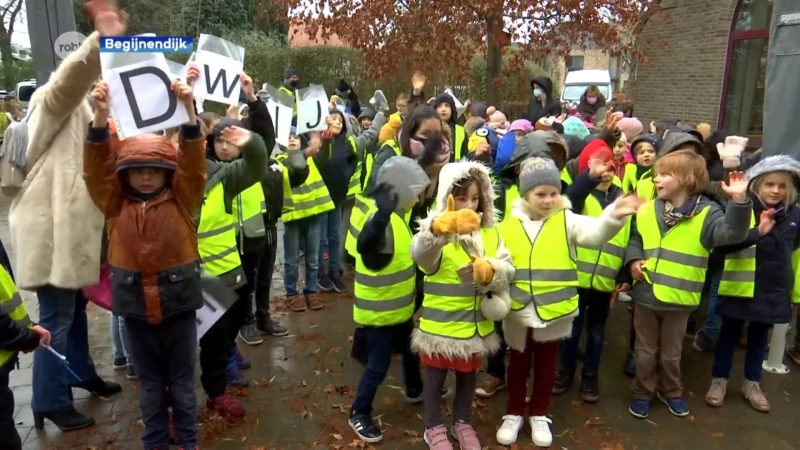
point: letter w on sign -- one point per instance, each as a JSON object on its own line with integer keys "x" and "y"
{"x": 220, "y": 63}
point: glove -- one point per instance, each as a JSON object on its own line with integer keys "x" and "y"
{"x": 463, "y": 221}
{"x": 385, "y": 198}
{"x": 482, "y": 271}
{"x": 275, "y": 167}
{"x": 731, "y": 150}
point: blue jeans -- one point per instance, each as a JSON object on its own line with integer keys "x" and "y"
{"x": 593, "y": 308}
{"x": 119, "y": 339}
{"x": 164, "y": 356}
{"x": 381, "y": 342}
{"x": 304, "y": 230}
{"x": 330, "y": 240}
{"x": 729, "y": 336}
{"x": 713, "y": 320}
{"x": 63, "y": 313}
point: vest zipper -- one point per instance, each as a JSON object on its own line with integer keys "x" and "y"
{"x": 241, "y": 224}
{"x": 144, "y": 207}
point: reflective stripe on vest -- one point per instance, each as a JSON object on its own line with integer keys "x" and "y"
{"x": 11, "y": 305}
{"x": 355, "y": 181}
{"x": 311, "y": 198}
{"x": 739, "y": 273}
{"x": 460, "y": 136}
{"x": 288, "y": 204}
{"x": 629, "y": 178}
{"x": 358, "y": 218}
{"x": 216, "y": 234}
{"x": 451, "y": 308}
{"x": 675, "y": 263}
{"x": 546, "y": 273}
{"x": 598, "y": 266}
{"x": 645, "y": 188}
{"x": 248, "y": 209}
{"x": 512, "y": 193}
{"x": 294, "y": 104}
{"x": 386, "y": 297}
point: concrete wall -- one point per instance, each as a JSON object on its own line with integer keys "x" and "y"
{"x": 684, "y": 79}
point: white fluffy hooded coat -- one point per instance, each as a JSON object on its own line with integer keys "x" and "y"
{"x": 426, "y": 251}
{"x": 581, "y": 230}
{"x": 56, "y": 229}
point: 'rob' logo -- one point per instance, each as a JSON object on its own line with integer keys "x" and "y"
{"x": 69, "y": 42}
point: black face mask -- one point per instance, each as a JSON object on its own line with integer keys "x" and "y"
{"x": 433, "y": 147}
{"x": 294, "y": 83}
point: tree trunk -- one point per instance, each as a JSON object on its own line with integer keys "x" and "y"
{"x": 494, "y": 58}
{"x": 11, "y": 12}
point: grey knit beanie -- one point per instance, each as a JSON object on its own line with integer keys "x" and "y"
{"x": 538, "y": 171}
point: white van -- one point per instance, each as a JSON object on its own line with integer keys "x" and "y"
{"x": 578, "y": 80}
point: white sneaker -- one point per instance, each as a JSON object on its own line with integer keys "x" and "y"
{"x": 507, "y": 434}
{"x": 540, "y": 431}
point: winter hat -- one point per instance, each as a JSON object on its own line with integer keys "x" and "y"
{"x": 631, "y": 127}
{"x": 538, "y": 171}
{"x": 776, "y": 163}
{"x": 367, "y": 113}
{"x": 652, "y": 139}
{"x": 446, "y": 98}
{"x": 545, "y": 123}
{"x": 521, "y": 125}
{"x": 478, "y": 109}
{"x": 576, "y": 127}
{"x": 596, "y": 149}
{"x": 290, "y": 73}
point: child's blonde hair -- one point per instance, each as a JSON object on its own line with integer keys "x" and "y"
{"x": 687, "y": 166}
{"x": 791, "y": 190}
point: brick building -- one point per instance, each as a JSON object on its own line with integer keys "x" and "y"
{"x": 707, "y": 64}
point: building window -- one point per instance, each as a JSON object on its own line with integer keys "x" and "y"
{"x": 574, "y": 63}
{"x": 742, "y": 104}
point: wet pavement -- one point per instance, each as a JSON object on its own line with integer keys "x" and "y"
{"x": 301, "y": 387}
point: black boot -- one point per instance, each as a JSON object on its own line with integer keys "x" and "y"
{"x": 590, "y": 387}
{"x": 365, "y": 428}
{"x": 65, "y": 420}
{"x": 100, "y": 388}
{"x": 630, "y": 366}
{"x": 563, "y": 381}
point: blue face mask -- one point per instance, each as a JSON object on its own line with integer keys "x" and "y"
{"x": 537, "y": 92}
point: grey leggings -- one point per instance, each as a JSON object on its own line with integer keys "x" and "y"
{"x": 462, "y": 403}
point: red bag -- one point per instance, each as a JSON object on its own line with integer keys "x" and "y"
{"x": 100, "y": 293}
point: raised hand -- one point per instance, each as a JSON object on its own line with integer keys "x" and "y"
{"x": 192, "y": 75}
{"x": 463, "y": 221}
{"x": 561, "y": 118}
{"x": 597, "y": 168}
{"x": 236, "y": 136}
{"x": 385, "y": 198}
{"x": 627, "y": 206}
{"x": 185, "y": 94}
{"x": 611, "y": 119}
{"x": 247, "y": 87}
{"x": 108, "y": 19}
{"x": 418, "y": 80}
{"x": 100, "y": 97}
{"x": 731, "y": 150}
{"x": 736, "y": 187}
{"x": 766, "y": 221}
{"x": 482, "y": 271}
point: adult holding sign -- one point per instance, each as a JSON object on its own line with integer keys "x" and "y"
{"x": 220, "y": 63}
{"x": 56, "y": 229}
{"x": 312, "y": 109}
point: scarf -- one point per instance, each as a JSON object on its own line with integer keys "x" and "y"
{"x": 673, "y": 215}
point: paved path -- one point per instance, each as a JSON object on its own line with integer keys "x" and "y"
{"x": 301, "y": 388}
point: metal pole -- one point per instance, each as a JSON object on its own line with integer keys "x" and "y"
{"x": 47, "y": 19}
{"x": 781, "y": 134}
{"x": 777, "y": 345}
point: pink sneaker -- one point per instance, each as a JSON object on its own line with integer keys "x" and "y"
{"x": 436, "y": 438}
{"x": 467, "y": 438}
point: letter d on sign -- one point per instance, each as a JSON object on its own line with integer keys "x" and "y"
{"x": 140, "y": 121}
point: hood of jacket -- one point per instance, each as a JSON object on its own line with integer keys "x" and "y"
{"x": 545, "y": 83}
{"x": 552, "y": 138}
{"x": 149, "y": 150}
{"x": 453, "y": 172}
{"x": 652, "y": 139}
{"x": 674, "y": 140}
{"x": 447, "y": 98}
{"x": 575, "y": 145}
{"x": 528, "y": 146}
{"x": 406, "y": 178}
{"x": 777, "y": 163}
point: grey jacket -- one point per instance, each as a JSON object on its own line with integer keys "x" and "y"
{"x": 720, "y": 228}
{"x": 781, "y": 133}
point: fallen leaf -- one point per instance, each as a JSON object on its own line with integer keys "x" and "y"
{"x": 329, "y": 389}
{"x": 593, "y": 421}
{"x": 304, "y": 383}
{"x": 387, "y": 401}
{"x": 350, "y": 338}
{"x": 338, "y": 437}
{"x": 563, "y": 432}
{"x": 717, "y": 435}
{"x": 411, "y": 433}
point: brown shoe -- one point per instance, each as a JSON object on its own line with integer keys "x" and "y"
{"x": 752, "y": 392}
{"x": 295, "y": 303}
{"x": 314, "y": 301}
{"x": 490, "y": 386}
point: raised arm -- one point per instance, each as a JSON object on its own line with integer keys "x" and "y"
{"x": 99, "y": 168}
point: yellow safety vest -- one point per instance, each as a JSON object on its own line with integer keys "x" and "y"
{"x": 675, "y": 263}
{"x": 567, "y": 178}
{"x": 629, "y": 178}
{"x": 310, "y": 198}
{"x": 512, "y": 193}
{"x": 216, "y": 234}
{"x": 451, "y": 308}
{"x": 739, "y": 273}
{"x": 288, "y": 203}
{"x": 598, "y": 267}
{"x": 11, "y": 305}
{"x": 249, "y": 208}
{"x": 294, "y": 104}
{"x": 355, "y": 181}
{"x": 645, "y": 188}
{"x": 371, "y": 158}
{"x": 386, "y": 297}
{"x": 546, "y": 273}
{"x": 460, "y": 136}
{"x": 796, "y": 268}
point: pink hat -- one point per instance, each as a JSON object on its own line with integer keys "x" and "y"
{"x": 631, "y": 127}
{"x": 521, "y": 125}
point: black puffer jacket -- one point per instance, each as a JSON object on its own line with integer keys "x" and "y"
{"x": 551, "y": 107}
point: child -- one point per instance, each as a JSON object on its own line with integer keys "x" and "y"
{"x": 643, "y": 150}
{"x": 757, "y": 282}
{"x": 621, "y": 156}
{"x": 467, "y": 271}
{"x": 122, "y": 359}
{"x": 544, "y": 292}
{"x": 598, "y": 275}
{"x": 669, "y": 268}
{"x": 17, "y": 334}
{"x": 445, "y": 105}
{"x": 385, "y": 309}
{"x": 155, "y": 272}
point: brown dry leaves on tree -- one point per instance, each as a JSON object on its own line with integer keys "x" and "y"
{"x": 402, "y": 35}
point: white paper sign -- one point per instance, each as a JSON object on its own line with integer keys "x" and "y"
{"x": 141, "y": 98}
{"x": 281, "y": 121}
{"x": 312, "y": 109}
{"x": 220, "y": 63}
{"x": 216, "y": 300}
{"x": 460, "y": 108}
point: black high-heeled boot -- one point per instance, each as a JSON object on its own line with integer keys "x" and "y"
{"x": 100, "y": 388}
{"x": 65, "y": 420}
